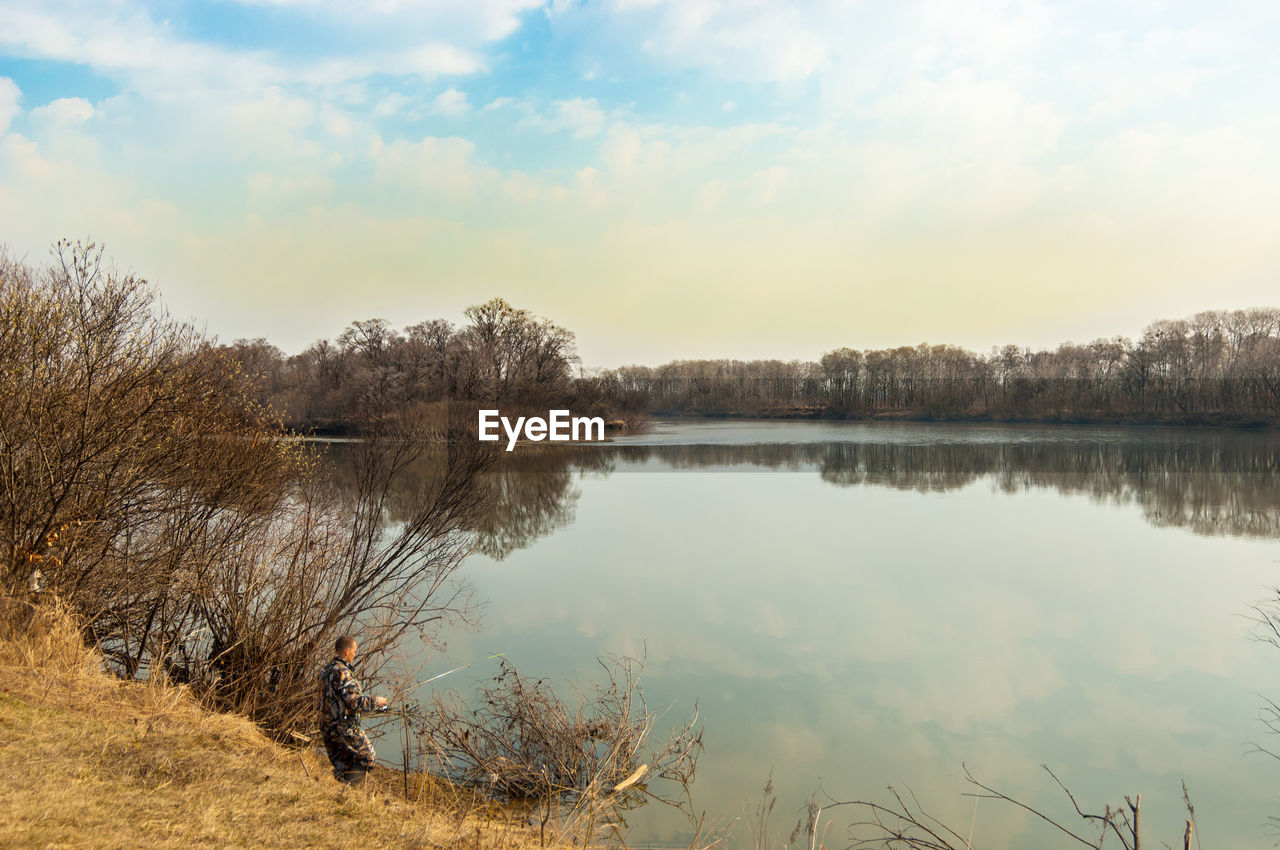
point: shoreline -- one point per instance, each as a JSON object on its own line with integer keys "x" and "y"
{"x": 800, "y": 415}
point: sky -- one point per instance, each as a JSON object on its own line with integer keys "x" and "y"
{"x": 668, "y": 179}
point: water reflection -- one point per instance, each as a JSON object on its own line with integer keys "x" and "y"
{"x": 1213, "y": 483}
{"x": 881, "y": 608}
{"x": 528, "y": 495}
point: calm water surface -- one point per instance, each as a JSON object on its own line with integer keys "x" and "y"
{"x": 854, "y": 606}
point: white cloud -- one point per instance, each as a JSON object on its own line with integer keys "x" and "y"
{"x": 116, "y": 39}
{"x": 709, "y": 197}
{"x": 1142, "y": 72}
{"x": 485, "y": 20}
{"x": 390, "y": 105}
{"x": 741, "y": 39}
{"x": 336, "y": 123}
{"x": 123, "y": 40}
{"x": 521, "y": 189}
{"x": 962, "y": 114}
{"x": 273, "y": 125}
{"x": 279, "y": 188}
{"x": 21, "y": 157}
{"x": 581, "y": 116}
{"x": 64, "y": 110}
{"x": 979, "y": 31}
{"x": 429, "y": 61}
{"x": 1226, "y": 169}
{"x": 10, "y": 97}
{"x": 451, "y": 102}
{"x": 440, "y": 163}
{"x": 624, "y": 151}
{"x": 584, "y": 118}
{"x": 64, "y": 188}
{"x": 769, "y": 183}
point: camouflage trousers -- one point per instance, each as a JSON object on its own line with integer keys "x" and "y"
{"x": 350, "y": 752}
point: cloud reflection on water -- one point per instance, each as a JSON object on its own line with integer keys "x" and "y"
{"x": 899, "y": 607}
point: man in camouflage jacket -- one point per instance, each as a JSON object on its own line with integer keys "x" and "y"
{"x": 340, "y": 706}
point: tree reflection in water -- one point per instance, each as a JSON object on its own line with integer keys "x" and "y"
{"x": 1212, "y": 483}
{"x": 529, "y": 494}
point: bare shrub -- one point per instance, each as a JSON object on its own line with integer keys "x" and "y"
{"x": 328, "y": 563}
{"x": 142, "y": 484}
{"x": 129, "y": 452}
{"x": 520, "y": 741}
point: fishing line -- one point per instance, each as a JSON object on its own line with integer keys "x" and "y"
{"x": 972, "y": 823}
{"x": 488, "y": 657}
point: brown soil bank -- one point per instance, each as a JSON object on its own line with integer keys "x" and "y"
{"x": 87, "y": 760}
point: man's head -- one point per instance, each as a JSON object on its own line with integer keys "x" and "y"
{"x": 346, "y": 647}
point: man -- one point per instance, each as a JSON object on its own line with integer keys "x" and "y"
{"x": 340, "y": 706}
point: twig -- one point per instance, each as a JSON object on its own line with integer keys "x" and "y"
{"x": 969, "y": 776}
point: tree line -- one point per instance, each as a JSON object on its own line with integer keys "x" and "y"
{"x": 501, "y": 355}
{"x": 1216, "y": 367}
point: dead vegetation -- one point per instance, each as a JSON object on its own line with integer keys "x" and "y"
{"x": 88, "y": 759}
{"x": 903, "y": 822}
{"x": 585, "y": 766}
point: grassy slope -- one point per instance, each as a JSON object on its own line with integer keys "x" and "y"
{"x": 88, "y": 760}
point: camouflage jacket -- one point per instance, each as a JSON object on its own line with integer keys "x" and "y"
{"x": 340, "y": 699}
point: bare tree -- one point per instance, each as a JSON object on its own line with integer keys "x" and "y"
{"x": 523, "y": 358}
{"x": 193, "y": 536}
{"x": 125, "y": 437}
{"x": 330, "y": 561}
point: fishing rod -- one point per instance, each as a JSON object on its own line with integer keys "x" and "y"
{"x": 456, "y": 669}
{"x": 493, "y": 655}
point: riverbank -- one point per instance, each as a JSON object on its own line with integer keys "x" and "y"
{"x": 90, "y": 760}
{"x": 819, "y": 414}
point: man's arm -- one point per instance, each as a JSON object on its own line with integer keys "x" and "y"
{"x": 354, "y": 700}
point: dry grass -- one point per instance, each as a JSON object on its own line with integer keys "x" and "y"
{"x": 89, "y": 760}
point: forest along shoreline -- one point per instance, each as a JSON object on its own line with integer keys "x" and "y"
{"x": 1215, "y": 368}
{"x": 1207, "y": 420}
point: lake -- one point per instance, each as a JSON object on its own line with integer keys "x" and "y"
{"x": 858, "y": 605}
